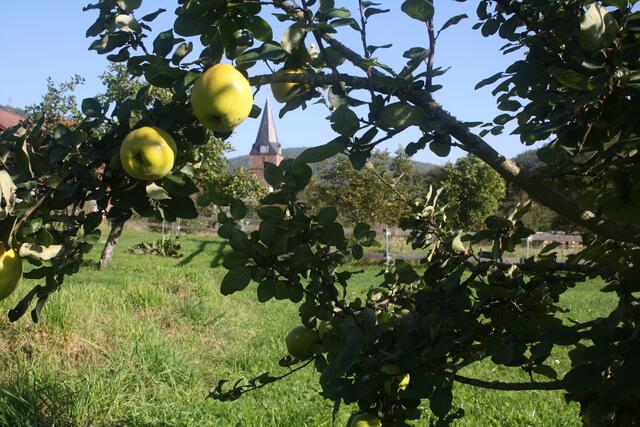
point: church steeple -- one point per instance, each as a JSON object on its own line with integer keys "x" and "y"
{"x": 266, "y": 149}
{"x": 267, "y": 139}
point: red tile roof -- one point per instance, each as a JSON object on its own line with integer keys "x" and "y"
{"x": 8, "y": 119}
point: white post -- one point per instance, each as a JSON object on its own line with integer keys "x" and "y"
{"x": 387, "y": 257}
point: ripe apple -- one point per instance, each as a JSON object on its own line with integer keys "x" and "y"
{"x": 365, "y": 419}
{"x": 300, "y": 341}
{"x": 10, "y": 271}
{"x": 148, "y": 153}
{"x": 221, "y": 98}
{"x": 281, "y": 90}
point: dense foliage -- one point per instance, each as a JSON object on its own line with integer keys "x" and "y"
{"x": 575, "y": 86}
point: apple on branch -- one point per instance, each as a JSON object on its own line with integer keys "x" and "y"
{"x": 148, "y": 153}
{"x": 221, "y": 98}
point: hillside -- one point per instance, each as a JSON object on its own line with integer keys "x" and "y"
{"x": 292, "y": 152}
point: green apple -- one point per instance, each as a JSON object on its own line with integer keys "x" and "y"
{"x": 300, "y": 341}
{"x": 365, "y": 419}
{"x": 10, "y": 271}
{"x": 148, "y": 153}
{"x": 281, "y": 90}
{"x": 221, "y": 98}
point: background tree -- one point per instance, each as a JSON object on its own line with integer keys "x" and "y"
{"x": 59, "y": 102}
{"x": 365, "y": 195}
{"x": 474, "y": 189}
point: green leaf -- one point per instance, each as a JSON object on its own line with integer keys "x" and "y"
{"x": 238, "y": 209}
{"x": 322, "y": 152}
{"x": 422, "y": 10}
{"x": 162, "y": 75}
{"x": 163, "y": 44}
{"x": 152, "y": 16}
{"x": 489, "y": 80}
{"x": 457, "y": 245}
{"x": 129, "y": 5}
{"x": 266, "y": 290}
{"x": 344, "y": 121}
{"x": 91, "y": 107}
{"x": 441, "y": 145}
{"x": 571, "y": 79}
{"x": 189, "y": 25}
{"x": 155, "y": 192}
{"x": 235, "y": 280}
{"x": 260, "y": 29}
{"x": 182, "y": 50}
{"x": 399, "y": 115}
{"x": 7, "y": 193}
{"x": 598, "y": 28}
{"x": 327, "y": 215}
{"x": 453, "y": 21}
{"x": 273, "y": 174}
{"x": 39, "y": 253}
{"x": 268, "y": 51}
{"x": 441, "y": 400}
{"x": 292, "y": 38}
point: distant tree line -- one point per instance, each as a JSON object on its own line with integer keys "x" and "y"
{"x": 379, "y": 193}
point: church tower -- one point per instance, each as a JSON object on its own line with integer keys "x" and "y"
{"x": 266, "y": 148}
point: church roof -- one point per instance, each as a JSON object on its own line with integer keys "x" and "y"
{"x": 267, "y": 135}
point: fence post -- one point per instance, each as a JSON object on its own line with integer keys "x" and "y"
{"x": 386, "y": 232}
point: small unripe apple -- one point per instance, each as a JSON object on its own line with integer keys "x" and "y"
{"x": 365, "y": 419}
{"x": 221, "y": 98}
{"x": 148, "y": 153}
{"x": 300, "y": 342}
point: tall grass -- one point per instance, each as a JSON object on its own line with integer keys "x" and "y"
{"x": 142, "y": 343}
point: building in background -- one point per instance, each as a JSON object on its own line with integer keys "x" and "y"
{"x": 9, "y": 119}
{"x": 266, "y": 148}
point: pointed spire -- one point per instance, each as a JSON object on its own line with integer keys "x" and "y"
{"x": 267, "y": 139}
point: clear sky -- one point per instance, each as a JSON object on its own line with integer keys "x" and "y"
{"x": 44, "y": 38}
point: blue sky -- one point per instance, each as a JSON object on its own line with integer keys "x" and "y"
{"x": 43, "y": 38}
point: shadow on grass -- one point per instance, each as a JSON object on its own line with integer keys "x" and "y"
{"x": 28, "y": 401}
{"x": 215, "y": 262}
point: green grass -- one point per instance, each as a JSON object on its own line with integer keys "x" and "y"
{"x": 141, "y": 344}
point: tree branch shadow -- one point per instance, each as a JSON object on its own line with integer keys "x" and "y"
{"x": 215, "y": 262}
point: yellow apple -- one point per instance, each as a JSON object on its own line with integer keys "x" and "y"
{"x": 10, "y": 271}
{"x": 365, "y": 419}
{"x": 148, "y": 153}
{"x": 221, "y": 98}
{"x": 281, "y": 90}
{"x": 300, "y": 341}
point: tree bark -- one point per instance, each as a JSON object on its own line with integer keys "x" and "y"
{"x": 112, "y": 241}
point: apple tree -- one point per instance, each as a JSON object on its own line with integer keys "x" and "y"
{"x": 397, "y": 351}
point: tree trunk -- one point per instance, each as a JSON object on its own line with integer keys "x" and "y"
{"x": 112, "y": 241}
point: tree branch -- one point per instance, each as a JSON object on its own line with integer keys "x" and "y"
{"x": 498, "y": 385}
{"x": 472, "y": 143}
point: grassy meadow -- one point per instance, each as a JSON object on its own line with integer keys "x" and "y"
{"x": 142, "y": 343}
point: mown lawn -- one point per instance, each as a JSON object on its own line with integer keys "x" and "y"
{"x": 141, "y": 344}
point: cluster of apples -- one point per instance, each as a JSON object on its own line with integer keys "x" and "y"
{"x": 300, "y": 343}
{"x": 221, "y": 99}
